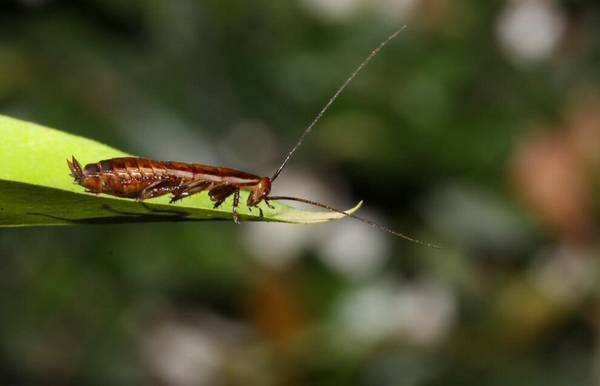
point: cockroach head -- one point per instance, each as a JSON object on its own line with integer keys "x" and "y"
{"x": 75, "y": 168}
{"x": 262, "y": 190}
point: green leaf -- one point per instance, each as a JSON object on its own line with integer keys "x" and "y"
{"x": 36, "y": 188}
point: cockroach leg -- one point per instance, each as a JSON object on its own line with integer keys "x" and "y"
{"x": 189, "y": 189}
{"x": 194, "y": 187}
{"x": 155, "y": 189}
{"x": 236, "y": 202}
{"x": 268, "y": 204}
{"x": 220, "y": 193}
{"x": 176, "y": 198}
{"x": 260, "y": 212}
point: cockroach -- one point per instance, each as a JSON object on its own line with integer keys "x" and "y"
{"x": 141, "y": 178}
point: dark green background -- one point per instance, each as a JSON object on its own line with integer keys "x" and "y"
{"x": 431, "y": 136}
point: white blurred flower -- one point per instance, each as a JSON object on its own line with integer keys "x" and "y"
{"x": 334, "y": 10}
{"x": 396, "y": 10}
{"x": 471, "y": 216}
{"x": 182, "y": 355}
{"x": 341, "y": 10}
{"x": 566, "y": 275}
{"x": 424, "y": 312}
{"x": 421, "y": 313}
{"x": 276, "y": 245}
{"x": 355, "y": 249}
{"x": 197, "y": 348}
{"x": 364, "y": 313}
{"x": 529, "y": 30}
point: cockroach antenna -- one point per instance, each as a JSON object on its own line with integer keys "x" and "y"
{"x": 333, "y": 98}
{"x": 364, "y": 220}
{"x": 309, "y": 128}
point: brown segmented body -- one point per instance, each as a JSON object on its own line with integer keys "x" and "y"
{"x": 142, "y": 178}
{"x": 129, "y": 176}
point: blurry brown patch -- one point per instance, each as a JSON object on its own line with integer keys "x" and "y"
{"x": 555, "y": 172}
{"x": 550, "y": 176}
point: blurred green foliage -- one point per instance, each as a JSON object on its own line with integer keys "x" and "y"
{"x": 449, "y": 133}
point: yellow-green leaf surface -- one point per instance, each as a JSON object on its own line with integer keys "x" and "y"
{"x": 36, "y": 188}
